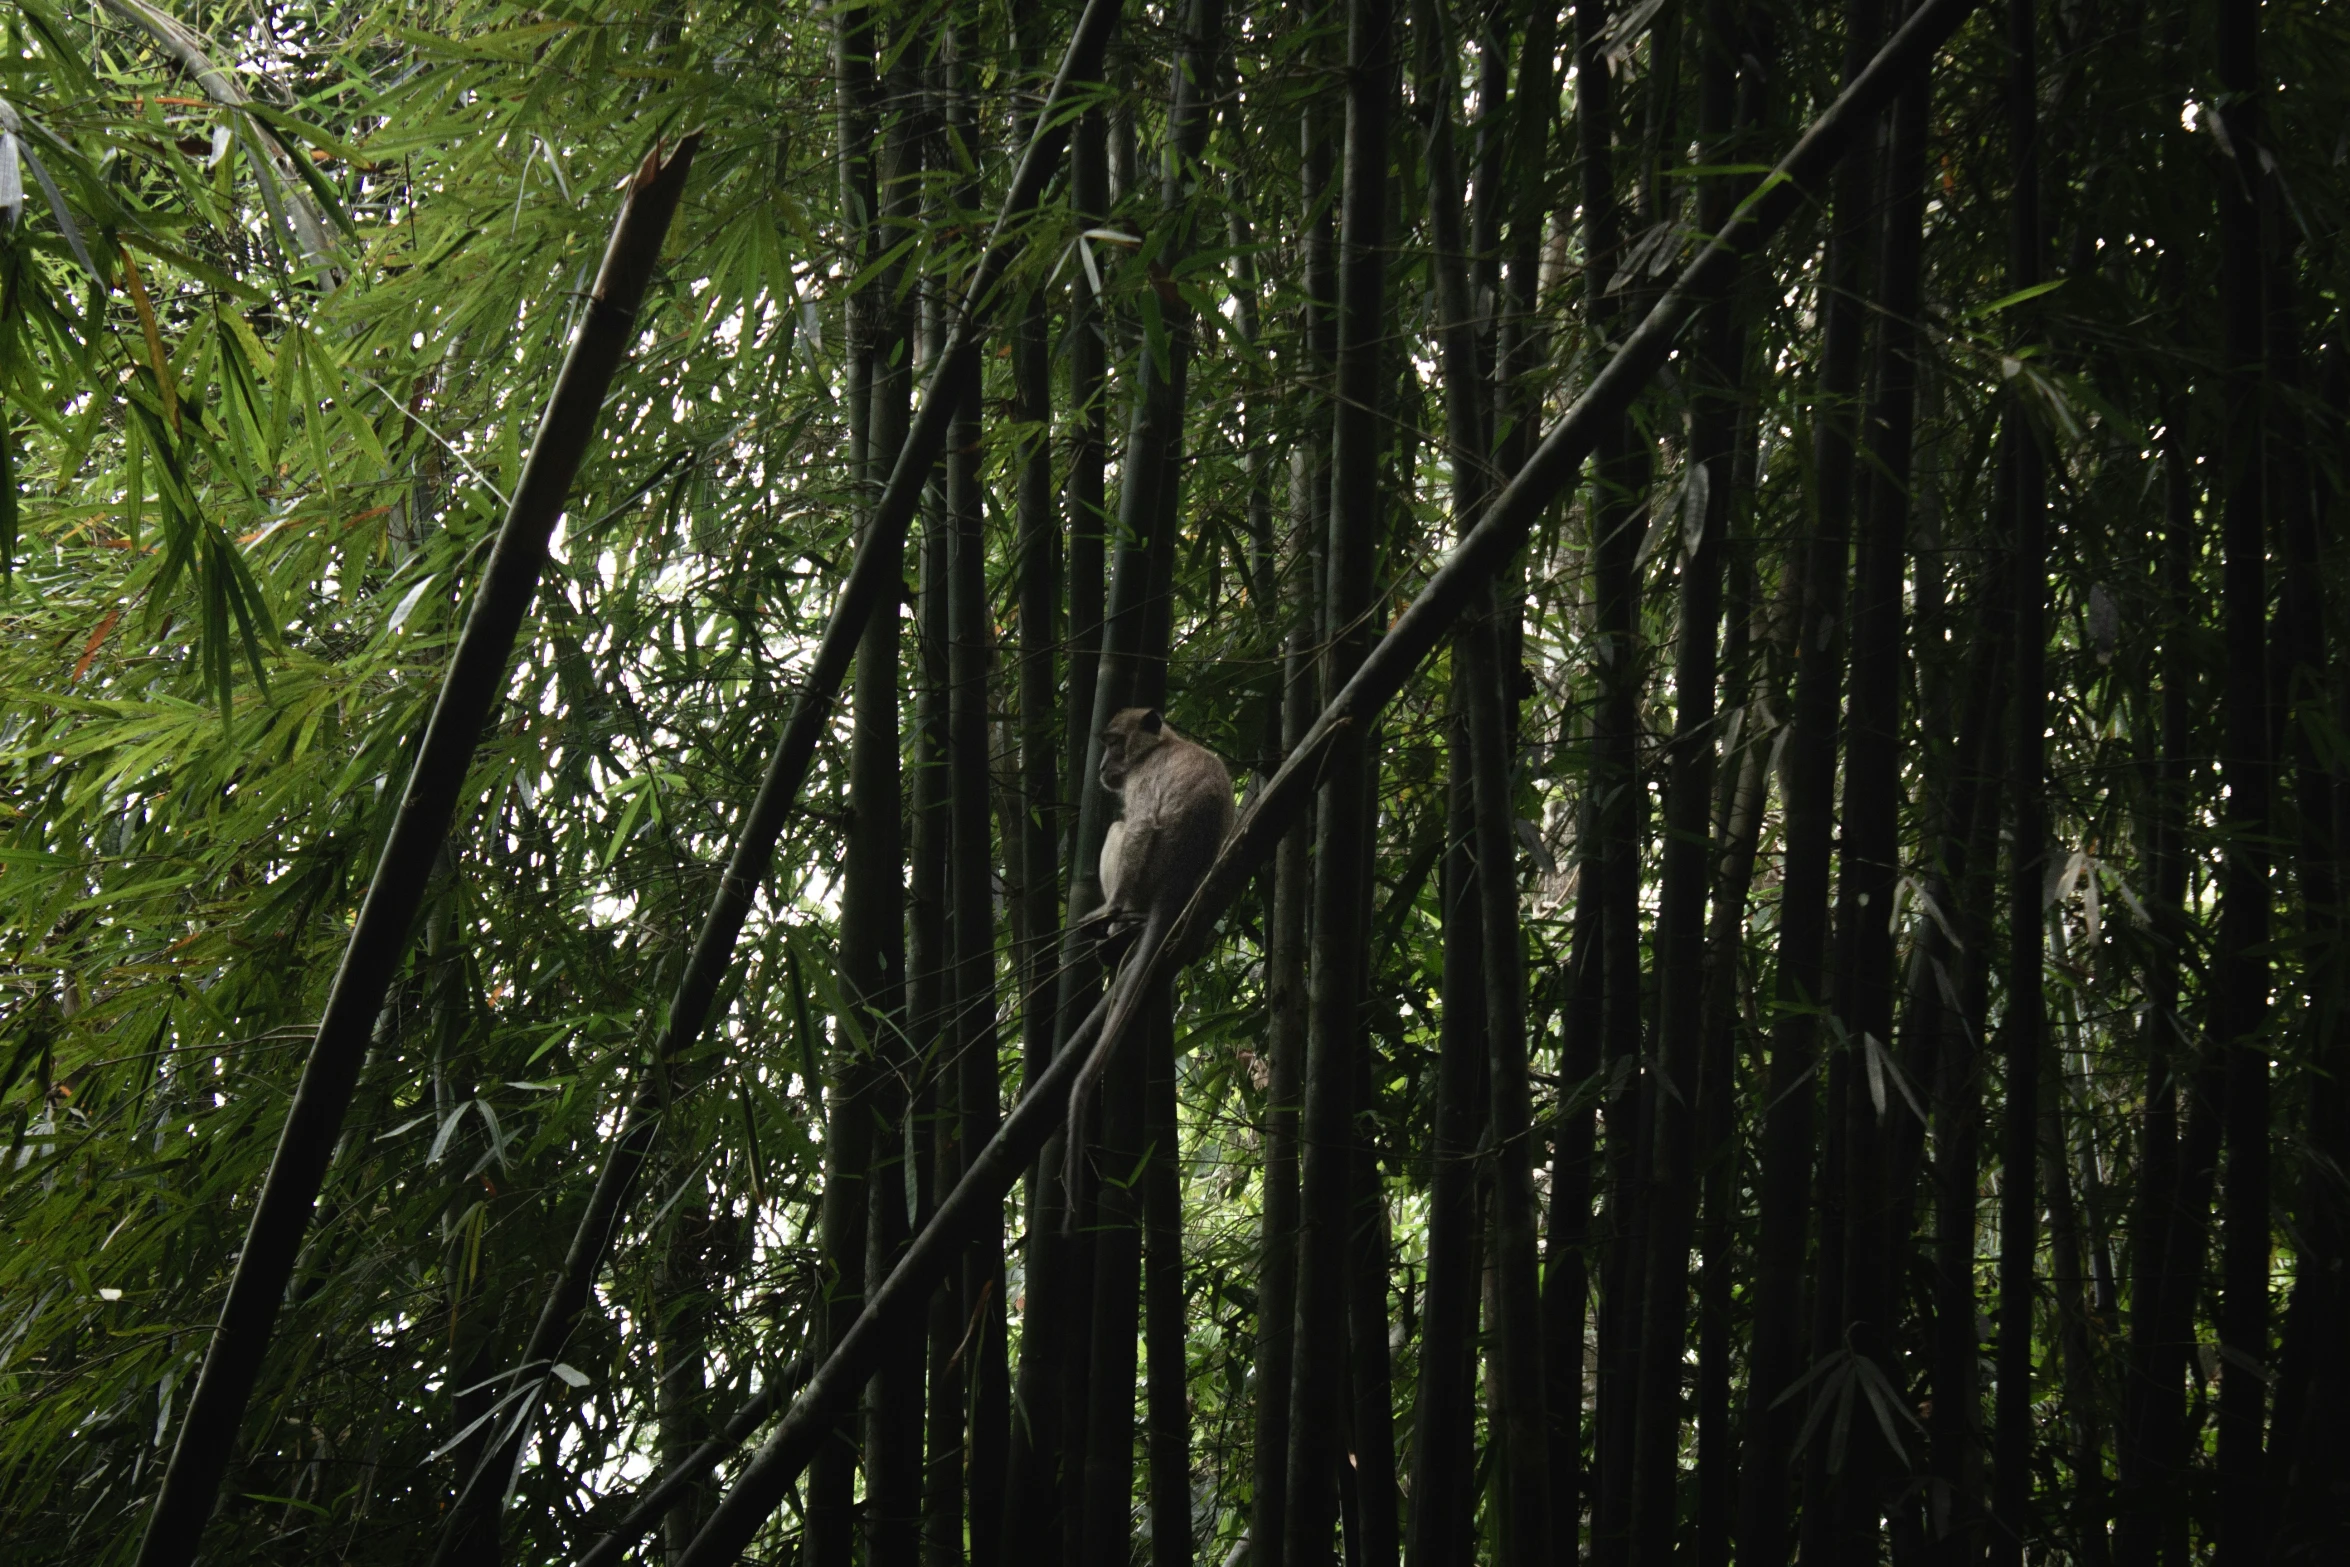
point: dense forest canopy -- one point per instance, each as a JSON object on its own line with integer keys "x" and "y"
{"x": 1779, "y": 991}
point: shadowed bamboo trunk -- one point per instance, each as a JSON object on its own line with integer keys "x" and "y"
{"x": 1060, "y": 1281}
{"x": 1597, "y": 1007}
{"x": 1823, "y": 1459}
{"x": 1895, "y": 412}
{"x": 1443, "y": 1510}
{"x": 2068, "y": 1275}
{"x": 2241, "y": 966}
{"x": 848, "y": 1144}
{"x": 1618, "y": 472}
{"x": 930, "y": 975}
{"x": 2185, "y": 1254}
{"x": 978, "y": 1090}
{"x": 2023, "y": 1030}
{"x": 1285, "y": 1045}
{"x": 1722, "y": 442}
{"x": 1042, "y": 1515}
{"x": 1566, "y": 1282}
{"x": 1283, "y": 590}
{"x": 1168, "y": 1362}
{"x": 1791, "y": 1123}
{"x": 1034, "y": 1435}
{"x": 704, "y": 1246}
{"x": 1878, "y": 1120}
{"x": 1311, "y": 509}
{"x": 1960, "y": 965}
{"x": 1374, "y": 1533}
{"x": 1104, "y": 629}
{"x": 2150, "y": 1405}
{"x": 1528, "y": 165}
{"x": 1191, "y": 97}
{"x": 1718, "y": 1169}
{"x": 1508, "y": 223}
{"x": 1479, "y": 848}
{"x": 874, "y": 883}
{"x": 1682, "y": 961}
{"x": 980, "y": 1341}
{"x": 1107, "y": 1459}
{"x": 1317, "y": 1454}
{"x": 2305, "y": 1469}
{"x": 1961, "y": 769}
{"x": 1038, "y": 564}
{"x": 1840, "y": 1461}
{"x": 1086, "y": 494}
{"x": 1517, "y": 1362}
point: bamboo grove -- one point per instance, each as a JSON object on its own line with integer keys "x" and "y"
{"x": 1779, "y": 991}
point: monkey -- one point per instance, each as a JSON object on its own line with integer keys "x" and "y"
{"x": 1176, "y": 799}
{"x": 1175, "y": 813}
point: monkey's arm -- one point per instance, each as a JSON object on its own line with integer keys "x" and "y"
{"x": 1130, "y": 871}
{"x": 1115, "y": 877}
{"x": 1113, "y": 869}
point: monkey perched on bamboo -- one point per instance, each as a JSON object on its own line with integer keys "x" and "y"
{"x": 1176, "y": 811}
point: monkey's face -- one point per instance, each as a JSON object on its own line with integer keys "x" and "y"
{"x": 1131, "y": 734}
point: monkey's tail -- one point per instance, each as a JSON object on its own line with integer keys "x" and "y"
{"x": 1126, "y": 999}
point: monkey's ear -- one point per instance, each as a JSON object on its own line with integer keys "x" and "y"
{"x": 1152, "y": 722}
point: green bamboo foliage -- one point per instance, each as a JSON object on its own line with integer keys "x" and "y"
{"x": 1717, "y": 1208}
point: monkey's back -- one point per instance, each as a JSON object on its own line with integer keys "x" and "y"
{"x": 1178, "y": 814}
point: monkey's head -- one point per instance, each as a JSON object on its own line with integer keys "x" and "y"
{"x": 1131, "y": 734}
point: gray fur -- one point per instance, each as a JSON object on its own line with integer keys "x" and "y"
{"x": 1177, "y": 798}
{"x": 1177, "y": 811}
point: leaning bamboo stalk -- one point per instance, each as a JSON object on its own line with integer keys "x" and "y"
{"x": 1487, "y": 547}
{"x": 379, "y": 939}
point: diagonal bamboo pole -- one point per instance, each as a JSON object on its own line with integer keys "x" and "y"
{"x": 379, "y": 939}
{"x": 1498, "y": 536}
